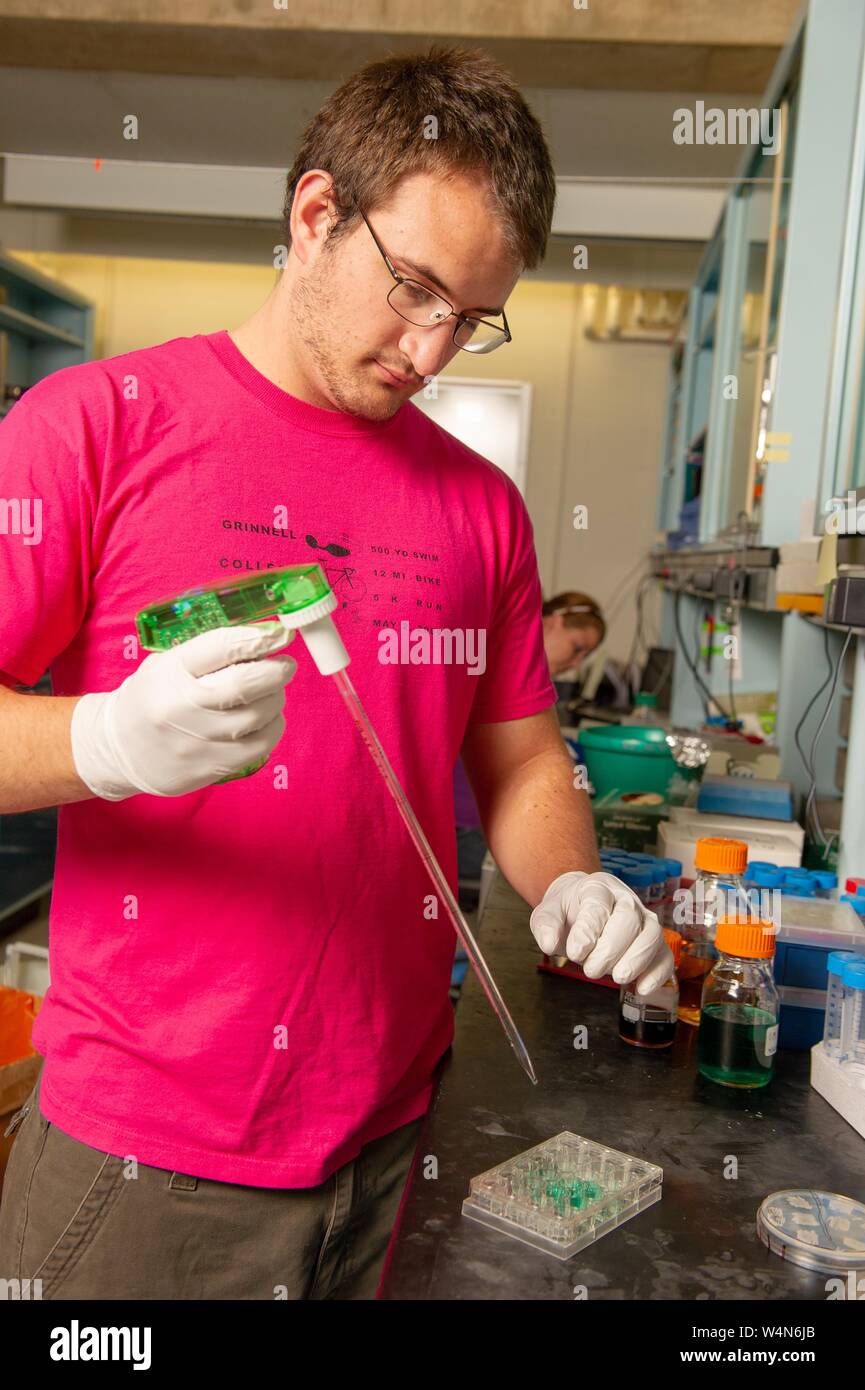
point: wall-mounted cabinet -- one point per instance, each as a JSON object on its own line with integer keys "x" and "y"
{"x": 761, "y": 315}
{"x": 43, "y": 326}
{"x": 784, "y": 415}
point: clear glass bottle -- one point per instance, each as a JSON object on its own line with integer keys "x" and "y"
{"x": 649, "y": 1020}
{"x": 717, "y": 891}
{"x": 741, "y": 1007}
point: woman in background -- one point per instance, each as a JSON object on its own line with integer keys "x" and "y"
{"x": 573, "y": 627}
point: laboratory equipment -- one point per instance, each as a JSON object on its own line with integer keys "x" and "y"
{"x": 302, "y": 594}
{"x": 649, "y": 1020}
{"x": 855, "y": 901}
{"x": 780, "y": 842}
{"x": 809, "y": 931}
{"x": 804, "y": 883}
{"x": 762, "y": 798}
{"x": 760, "y": 876}
{"x": 798, "y": 886}
{"x": 738, "y": 1036}
{"x": 832, "y": 1027}
{"x": 823, "y": 1231}
{"x": 842, "y": 1087}
{"x": 624, "y": 758}
{"x": 639, "y": 879}
{"x": 297, "y": 591}
{"x": 644, "y": 712}
{"x": 659, "y": 883}
{"x": 826, "y": 882}
{"x": 719, "y": 862}
{"x": 852, "y": 1050}
{"x": 424, "y": 849}
{"x": 674, "y": 875}
{"x": 291, "y": 590}
{"x": 563, "y": 1194}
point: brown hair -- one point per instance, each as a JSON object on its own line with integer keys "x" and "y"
{"x": 369, "y": 135}
{"x": 590, "y": 616}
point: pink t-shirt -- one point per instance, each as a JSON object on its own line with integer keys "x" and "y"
{"x": 246, "y": 982}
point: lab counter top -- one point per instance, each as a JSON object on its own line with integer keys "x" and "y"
{"x": 722, "y": 1151}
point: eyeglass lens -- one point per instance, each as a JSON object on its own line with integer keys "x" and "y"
{"x": 419, "y": 305}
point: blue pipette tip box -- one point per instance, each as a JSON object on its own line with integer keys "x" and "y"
{"x": 563, "y": 1194}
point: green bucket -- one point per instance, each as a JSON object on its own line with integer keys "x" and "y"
{"x": 626, "y": 758}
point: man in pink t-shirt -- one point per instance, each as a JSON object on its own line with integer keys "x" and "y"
{"x": 249, "y": 979}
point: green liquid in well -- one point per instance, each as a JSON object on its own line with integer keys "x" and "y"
{"x": 732, "y": 1045}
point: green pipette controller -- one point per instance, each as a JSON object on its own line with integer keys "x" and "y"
{"x": 298, "y": 593}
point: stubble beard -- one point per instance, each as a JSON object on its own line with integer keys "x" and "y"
{"x": 312, "y": 306}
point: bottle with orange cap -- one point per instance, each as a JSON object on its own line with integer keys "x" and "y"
{"x": 740, "y": 1008}
{"x": 717, "y": 889}
{"x": 649, "y": 1020}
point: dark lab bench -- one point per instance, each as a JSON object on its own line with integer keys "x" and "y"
{"x": 698, "y": 1242}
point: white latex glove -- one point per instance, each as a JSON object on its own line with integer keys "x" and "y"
{"x": 597, "y": 921}
{"x": 186, "y": 717}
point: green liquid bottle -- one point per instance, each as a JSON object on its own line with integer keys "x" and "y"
{"x": 740, "y": 1009}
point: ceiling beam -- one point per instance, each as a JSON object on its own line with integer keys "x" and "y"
{"x": 697, "y": 45}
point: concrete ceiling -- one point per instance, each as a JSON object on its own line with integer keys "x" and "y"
{"x": 247, "y": 121}
{"x": 646, "y": 45}
{"x": 234, "y": 82}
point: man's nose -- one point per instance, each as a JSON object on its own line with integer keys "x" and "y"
{"x": 429, "y": 349}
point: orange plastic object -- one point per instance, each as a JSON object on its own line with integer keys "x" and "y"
{"x": 674, "y": 941}
{"x": 718, "y": 856}
{"x": 800, "y": 603}
{"x": 17, "y": 1012}
{"x": 745, "y": 936}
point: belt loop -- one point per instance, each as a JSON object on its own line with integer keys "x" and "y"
{"x": 183, "y": 1182}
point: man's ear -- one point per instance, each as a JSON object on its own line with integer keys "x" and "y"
{"x": 313, "y": 215}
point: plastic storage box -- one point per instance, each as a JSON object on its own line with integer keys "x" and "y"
{"x": 810, "y": 929}
{"x": 746, "y": 796}
{"x": 563, "y": 1194}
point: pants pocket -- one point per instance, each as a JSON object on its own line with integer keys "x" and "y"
{"x": 71, "y": 1192}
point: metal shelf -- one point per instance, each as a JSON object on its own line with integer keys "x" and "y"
{"x": 36, "y": 329}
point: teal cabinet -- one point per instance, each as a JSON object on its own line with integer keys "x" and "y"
{"x": 44, "y": 326}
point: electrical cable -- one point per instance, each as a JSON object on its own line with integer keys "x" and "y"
{"x": 738, "y": 576}
{"x": 668, "y": 667}
{"x": 592, "y": 669}
{"x": 811, "y": 703}
{"x": 638, "y": 639}
{"x": 699, "y": 615}
{"x": 703, "y": 690}
{"x": 733, "y": 715}
{"x": 811, "y": 801}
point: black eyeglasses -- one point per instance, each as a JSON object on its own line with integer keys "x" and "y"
{"x": 416, "y": 304}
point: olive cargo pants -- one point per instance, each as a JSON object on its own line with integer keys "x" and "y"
{"x": 72, "y": 1219}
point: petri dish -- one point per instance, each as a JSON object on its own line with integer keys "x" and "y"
{"x": 823, "y": 1231}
